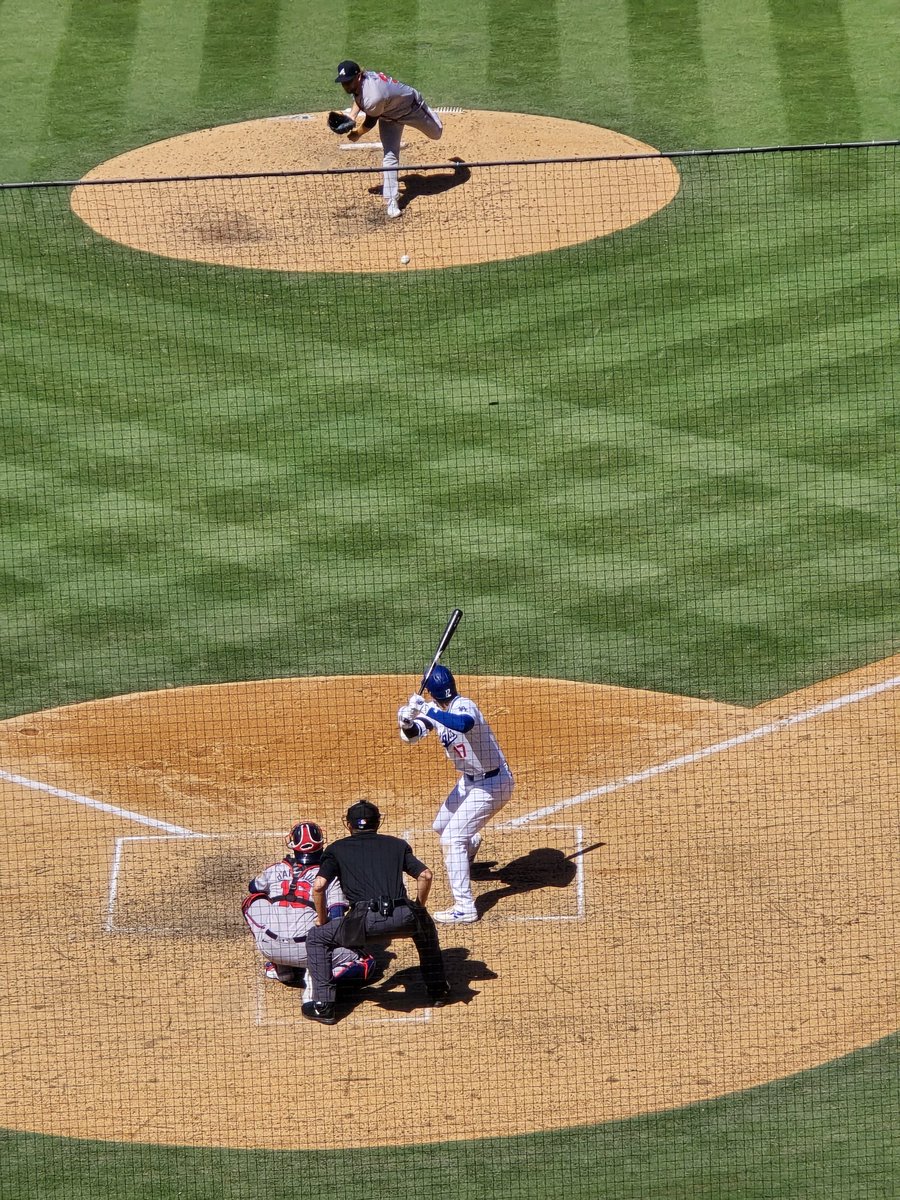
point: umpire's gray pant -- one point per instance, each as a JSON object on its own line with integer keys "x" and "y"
{"x": 406, "y": 920}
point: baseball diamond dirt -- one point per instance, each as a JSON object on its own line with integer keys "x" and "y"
{"x": 683, "y": 899}
{"x": 338, "y": 223}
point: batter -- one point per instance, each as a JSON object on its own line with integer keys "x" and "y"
{"x": 484, "y": 785}
{"x": 378, "y": 97}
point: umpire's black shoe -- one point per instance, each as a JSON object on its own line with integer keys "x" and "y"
{"x": 440, "y": 997}
{"x": 319, "y": 1010}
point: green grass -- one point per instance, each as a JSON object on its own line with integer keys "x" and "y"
{"x": 658, "y": 460}
{"x": 818, "y": 1134}
{"x": 667, "y": 459}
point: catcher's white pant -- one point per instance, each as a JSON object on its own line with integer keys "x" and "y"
{"x": 424, "y": 119}
{"x": 464, "y": 813}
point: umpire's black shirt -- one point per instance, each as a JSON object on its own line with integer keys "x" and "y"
{"x": 370, "y": 865}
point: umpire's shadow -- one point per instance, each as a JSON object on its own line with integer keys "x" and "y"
{"x": 404, "y": 991}
{"x": 429, "y": 184}
{"x": 545, "y": 867}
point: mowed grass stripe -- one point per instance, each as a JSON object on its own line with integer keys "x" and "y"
{"x": 873, "y": 52}
{"x": 240, "y": 52}
{"x": 668, "y": 70}
{"x": 166, "y": 67}
{"x": 525, "y": 30}
{"x": 742, "y": 78}
{"x": 817, "y": 81}
{"x": 605, "y": 98}
{"x": 30, "y": 34}
{"x": 381, "y": 37}
{"x": 98, "y": 45}
{"x": 309, "y": 46}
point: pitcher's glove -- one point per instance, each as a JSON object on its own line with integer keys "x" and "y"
{"x": 340, "y": 123}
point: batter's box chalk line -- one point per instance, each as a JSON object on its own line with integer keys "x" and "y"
{"x": 115, "y": 872}
{"x": 559, "y": 918}
{"x": 262, "y": 1019}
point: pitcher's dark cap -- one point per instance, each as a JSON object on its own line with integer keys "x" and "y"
{"x": 347, "y": 70}
{"x": 363, "y": 815}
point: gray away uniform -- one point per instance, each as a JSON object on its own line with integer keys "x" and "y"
{"x": 395, "y": 104}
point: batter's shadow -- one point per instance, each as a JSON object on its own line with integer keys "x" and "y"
{"x": 416, "y": 186}
{"x": 545, "y": 867}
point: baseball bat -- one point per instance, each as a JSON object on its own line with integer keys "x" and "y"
{"x": 455, "y": 618}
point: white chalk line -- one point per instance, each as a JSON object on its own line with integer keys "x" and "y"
{"x": 580, "y": 909}
{"x": 113, "y": 809}
{"x": 684, "y": 760}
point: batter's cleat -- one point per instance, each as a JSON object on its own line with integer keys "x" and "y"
{"x": 319, "y": 1010}
{"x": 271, "y": 971}
{"x": 393, "y": 208}
{"x": 456, "y": 916}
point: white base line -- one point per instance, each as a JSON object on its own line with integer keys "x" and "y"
{"x": 578, "y": 830}
{"x": 125, "y": 813}
{"x": 709, "y": 751}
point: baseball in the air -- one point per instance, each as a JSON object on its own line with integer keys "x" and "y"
{"x": 404, "y": 258}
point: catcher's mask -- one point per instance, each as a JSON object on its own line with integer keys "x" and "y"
{"x": 363, "y": 815}
{"x": 441, "y": 684}
{"x": 306, "y": 841}
{"x": 347, "y": 71}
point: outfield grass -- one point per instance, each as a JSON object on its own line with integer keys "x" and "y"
{"x": 665, "y": 460}
{"x": 658, "y": 460}
{"x": 815, "y": 1135}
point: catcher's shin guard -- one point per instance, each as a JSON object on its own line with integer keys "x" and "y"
{"x": 355, "y": 972}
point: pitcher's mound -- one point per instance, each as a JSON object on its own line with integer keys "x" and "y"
{"x": 337, "y": 222}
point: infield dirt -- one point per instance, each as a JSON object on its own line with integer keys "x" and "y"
{"x": 337, "y": 222}
{"x": 703, "y": 930}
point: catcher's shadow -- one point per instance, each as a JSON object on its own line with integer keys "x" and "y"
{"x": 542, "y": 868}
{"x": 416, "y": 186}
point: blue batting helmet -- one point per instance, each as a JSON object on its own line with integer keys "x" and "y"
{"x": 441, "y": 683}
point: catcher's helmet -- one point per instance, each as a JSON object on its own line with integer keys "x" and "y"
{"x": 306, "y": 841}
{"x": 347, "y": 71}
{"x": 363, "y": 815}
{"x": 441, "y": 683}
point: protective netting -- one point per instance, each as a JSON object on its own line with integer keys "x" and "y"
{"x": 637, "y": 418}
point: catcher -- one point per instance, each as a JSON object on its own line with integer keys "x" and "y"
{"x": 379, "y": 98}
{"x": 280, "y": 913}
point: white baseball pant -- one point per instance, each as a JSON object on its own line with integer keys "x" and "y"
{"x": 464, "y": 813}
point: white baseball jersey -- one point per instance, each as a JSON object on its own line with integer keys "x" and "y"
{"x": 378, "y": 95}
{"x": 476, "y": 752}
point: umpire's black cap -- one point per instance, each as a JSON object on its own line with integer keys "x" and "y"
{"x": 347, "y": 70}
{"x": 363, "y": 815}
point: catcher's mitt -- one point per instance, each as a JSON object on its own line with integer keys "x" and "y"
{"x": 340, "y": 123}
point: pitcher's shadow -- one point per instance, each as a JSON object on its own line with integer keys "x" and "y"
{"x": 430, "y": 184}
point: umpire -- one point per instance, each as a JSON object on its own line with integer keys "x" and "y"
{"x": 370, "y": 867}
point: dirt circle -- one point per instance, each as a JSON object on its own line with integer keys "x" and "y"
{"x": 667, "y": 941}
{"x": 338, "y": 222}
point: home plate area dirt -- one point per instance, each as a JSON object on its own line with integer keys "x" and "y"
{"x": 671, "y": 910}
